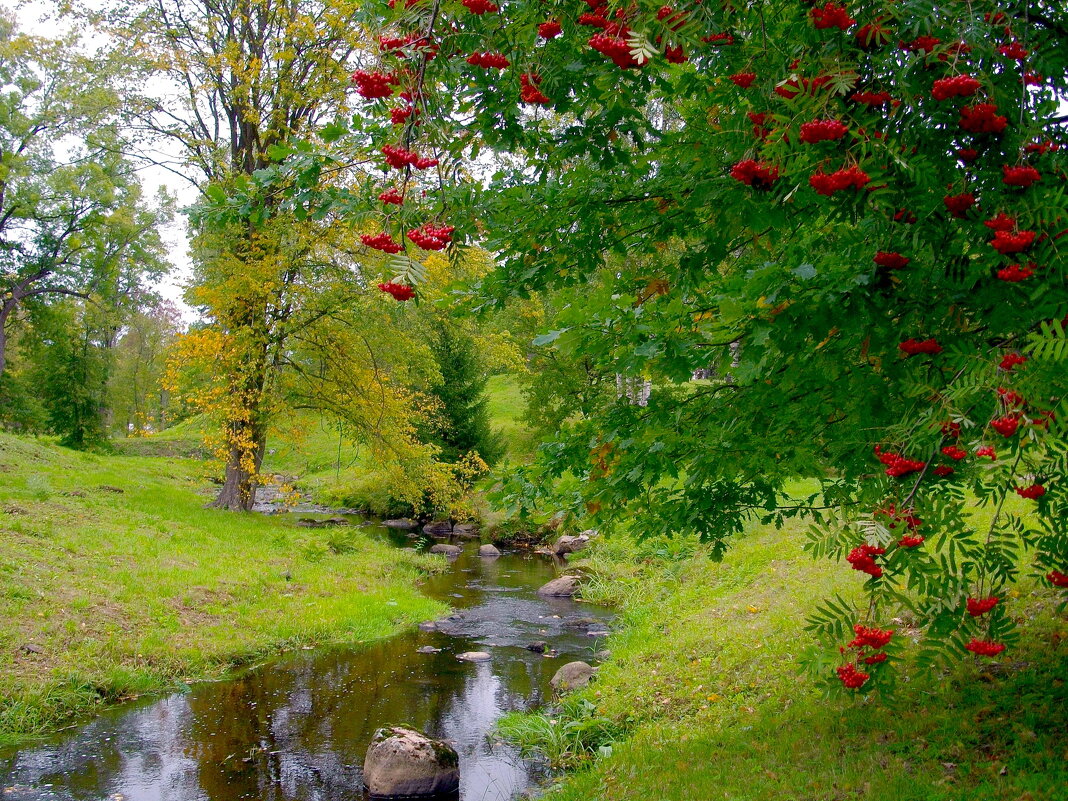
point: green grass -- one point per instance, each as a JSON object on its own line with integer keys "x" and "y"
{"x": 704, "y": 680}
{"x": 307, "y": 446}
{"x": 113, "y": 569}
{"x": 506, "y": 406}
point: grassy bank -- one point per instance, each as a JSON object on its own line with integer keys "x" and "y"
{"x": 702, "y": 698}
{"x": 114, "y": 581}
{"x": 307, "y": 446}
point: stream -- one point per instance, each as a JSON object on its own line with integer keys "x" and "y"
{"x": 298, "y": 727}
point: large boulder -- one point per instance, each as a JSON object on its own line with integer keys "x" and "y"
{"x": 474, "y": 656}
{"x": 466, "y": 530}
{"x": 566, "y": 544}
{"x": 402, "y": 762}
{"x": 438, "y": 528}
{"x": 489, "y": 550}
{"x": 402, "y": 523}
{"x": 562, "y": 587}
{"x": 445, "y": 548}
{"x": 571, "y": 676}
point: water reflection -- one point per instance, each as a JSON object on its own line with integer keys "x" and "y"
{"x": 298, "y": 729}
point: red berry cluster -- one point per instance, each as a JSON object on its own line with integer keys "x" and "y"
{"x": 1014, "y": 50}
{"x": 743, "y": 79}
{"x": 891, "y": 260}
{"x": 1020, "y": 176}
{"x": 921, "y": 44}
{"x": 851, "y": 677}
{"x": 550, "y": 29}
{"x": 480, "y": 7}
{"x": 897, "y": 465}
{"x": 967, "y": 154}
{"x": 794, "y": 86}
{"x": 867, "y": 637}
{"x": 905, "y": 516}
{"x": 872, "y": 35}
{"x": 823, "y": 131}
{"x": 1011, "y": 360}
{"x": 904, "y": 216}
{"x": 718, "y": 39}
{"x": 862, "y": 558}
{"x": 944, "y": 470}
{"x": 987, "y": 450}
{"x": 959, "y": 205}
{"x": 1014, "y": 273}
{"x": 980, "y": 606}
{"x": 675, "y": 19}
{"x": 400, "y": 158}
{"x": 393, "y": 196}
{"x": 1006, "y": 425}
{"x": 914, "y": 347}
{"x": 1032, "y": 492}
{"x": 400, "y": 292}
{"x": 1057, "y": 579}
{"x": 616, "y": 48}
{"x": 831, "y": 15}
{"x": 1005, "y": 242}
{"x": 1042, "y": 148}
{"x": 431, "y": 237}
{"x": 675, "y": 55}
{"x": 955, "y": 452}
{"x": 1000, "y": 222}
{"x": 382, "y": 241}
{"x": 528, "y": 89}
{"x": 373, "y": 85}
{"x": 870, "y": 637}
{"x": 910, "y": 541}
{"x": 985, "y": 647}
{"x": 757, "y": 174}
{"x": 488, "y": 60}
{"x": 957, "y": 86}
{"x": 1010, "y": 398}
{"x": 828, "y": 184}
{"x": 400, "y": 114}
{"x": 394, "y": 45}
{"x": 871, "y": 99}
{"x": 982, "y": 118}
{"x": 758, "y": 118}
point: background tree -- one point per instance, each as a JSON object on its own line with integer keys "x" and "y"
{"x": 240, "y": 80}
{"x": 138, "y": 401}
{"x": 72, "y": 220}
{"x": 461, "y": 389}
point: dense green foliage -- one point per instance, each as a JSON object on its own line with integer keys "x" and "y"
{"x": 855, "y": 213}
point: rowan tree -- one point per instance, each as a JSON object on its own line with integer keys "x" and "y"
{"x": 855, "y": 211}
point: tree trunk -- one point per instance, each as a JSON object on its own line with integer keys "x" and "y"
{"x": 238, "y": 492}
{"x": 5, "y": 313}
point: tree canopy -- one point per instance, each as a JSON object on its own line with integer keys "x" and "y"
{"x": 854, "y": 212}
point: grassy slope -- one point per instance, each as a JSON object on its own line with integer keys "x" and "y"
{"x": 134, "y": 591}
{"x": 704, "y": 678}
{"x": 307, "y": 446}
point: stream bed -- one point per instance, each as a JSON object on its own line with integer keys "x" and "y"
{"x": 298, "y": 727}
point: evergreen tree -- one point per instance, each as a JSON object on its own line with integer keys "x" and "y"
{"x": 462, "y": 392}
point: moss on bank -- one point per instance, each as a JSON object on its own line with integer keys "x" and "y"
{"x": 116, "y": 581}
{"x": 703, "y": 698}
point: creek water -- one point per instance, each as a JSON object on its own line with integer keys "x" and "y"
{"x": 298, "y": 727}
